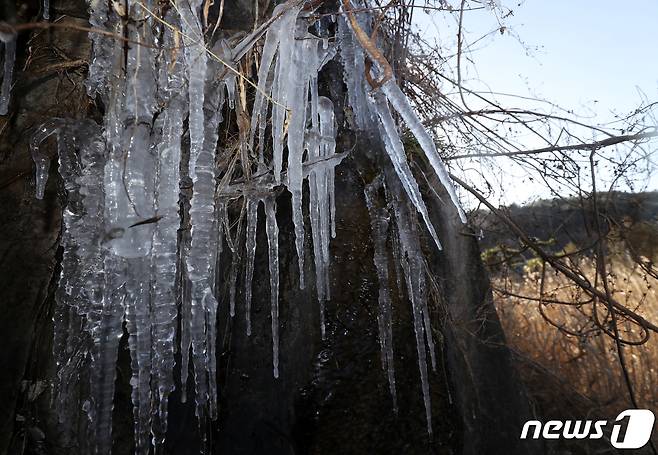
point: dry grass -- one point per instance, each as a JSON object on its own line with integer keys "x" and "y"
{"x": 570, "y": 366}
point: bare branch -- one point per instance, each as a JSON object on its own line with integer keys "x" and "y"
{"x": 556, "y": 263}
{"x": 561, "y": 148}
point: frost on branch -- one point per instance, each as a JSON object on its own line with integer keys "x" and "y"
{"x": 123, "y": 260}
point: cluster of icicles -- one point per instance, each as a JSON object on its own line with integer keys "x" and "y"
{"x": 123, "y": 258}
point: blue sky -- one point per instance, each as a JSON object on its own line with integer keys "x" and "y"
{"x": 580, "y": 51}
{"x": 596, "y": 58}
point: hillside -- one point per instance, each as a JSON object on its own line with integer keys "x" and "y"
{"x": 558, "y": 222}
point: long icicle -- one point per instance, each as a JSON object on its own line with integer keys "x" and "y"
{"x": 403, "y": 107}
{"x": 165, "y": 242}
{"x": 202, "y": 206}
{"x": 273, "y": 242}
{"x": 250, "y": 245}
{"x": 413, "y": 269}
{"x": 137, "y": 185}
{"x": 395, "y": 150}
{"x": 379, "y": 223}
{"x": 9, "y": 41}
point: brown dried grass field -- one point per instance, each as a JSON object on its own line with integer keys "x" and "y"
{"x": 570, "y": 367}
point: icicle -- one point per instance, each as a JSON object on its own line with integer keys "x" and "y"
{"x": 395, "y": 150}
{"x": 138, "y": 325}
{"x": 235, "y": 263}
{"x": 201, "y": 166}
{"x": 379, "y": 222}
{"x": 129, "y": 188}
{"x": 284, "y": 32}
{"x": 296, "y": 101}
{"x": 426, "y": 322}
{"x": 165, "y": 241}
{"x": 320, "y": 143}
{"x": 94, "y": 279}
{"x": 315, "y": 207}
{"x": 273, "y": 242}
{"x": 328, "y": 149}
{"x": 401, "y": 104}
{"x": 409, "y": 270}
{"x": 41, "y": 159}
{"x": 353, "y": 59}
{"x": 108, "y": 330}
{"x": 103, "y": 316}
{"x": 84, "y": 176}
{"x": 214, "y": 99}
{"x": 213, "y": 103}
{"x": 414, "y": 272}
{"x": 46, "y": 9}
{"x": 264, "y": 82}
{"x": 137, "y": 186}
{"x": 80, "y": 285}
{"x": 9, "y": 41}
{"x": 250, "y": 244}
{"x": 122, "y": 258}
{"x": 106, "y": 338}
{"x": 107, "y": 317}
{"x": 230, "y": 89}
{"x": 211, "y": 308}
{"x": 104, "y": 48}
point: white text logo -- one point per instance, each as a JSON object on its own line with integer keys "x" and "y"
{"x": 631, "y": 429}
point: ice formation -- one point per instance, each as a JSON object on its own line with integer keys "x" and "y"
{"x": 8, "y": 41}
{"x": 380, "y": 221}
{"x": 165, "y": 239}
{"x": 273, "y": 258}
{"x": 413, "y": 268}
{"x": 202, "y": 172}
{"x": 136, "y": 253}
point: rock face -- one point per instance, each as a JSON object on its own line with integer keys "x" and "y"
{"x": 49, "y": 87}
{"x": 488, "y": 393}
{"x": 332, "y": 395}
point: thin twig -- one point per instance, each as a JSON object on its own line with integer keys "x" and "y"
{"x": 4, "y": 27}
{"x": 561, "y": 148}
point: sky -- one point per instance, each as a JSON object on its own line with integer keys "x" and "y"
{"x": 595, "y": 58}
